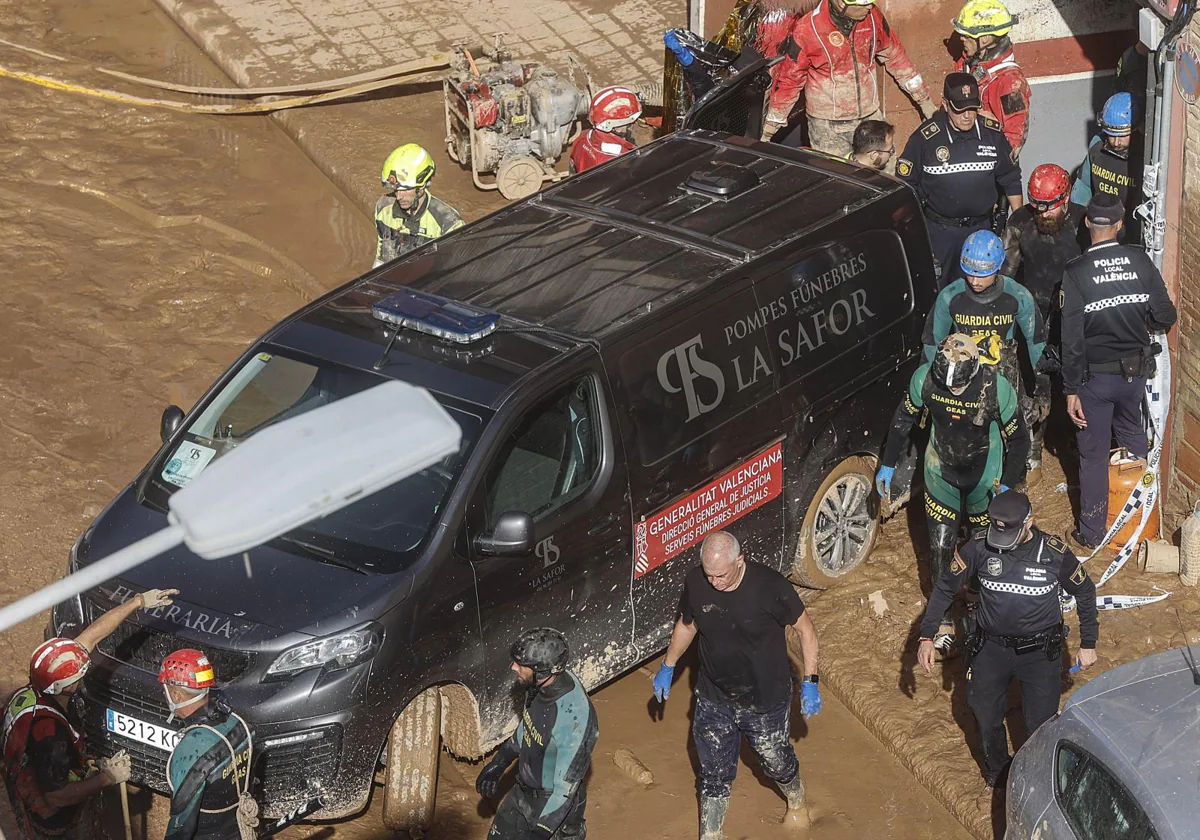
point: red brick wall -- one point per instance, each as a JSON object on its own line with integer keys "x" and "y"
{"x": 1183, "y": 465}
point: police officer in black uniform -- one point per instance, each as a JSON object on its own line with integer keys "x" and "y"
{"x": 1020, "y": 629}
{"x": 956, "y": 161}
{"x": 1111, "y": 297}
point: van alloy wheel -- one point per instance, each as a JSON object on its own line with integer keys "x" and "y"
{"x": 844, "y": 525}
{"x": 840, "y": 527}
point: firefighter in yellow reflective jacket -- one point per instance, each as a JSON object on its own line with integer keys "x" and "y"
{"x": 408, "y": 216}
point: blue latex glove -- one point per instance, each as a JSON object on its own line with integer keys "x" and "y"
{"x": 883, "y": 481}
{"x": 1003, "y": 489}
{"x": 810, "y": 699}
{"x": 681, "y": 52}
{"x": 662, "y": 682}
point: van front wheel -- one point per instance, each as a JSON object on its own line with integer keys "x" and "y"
{"x": 840, "y": 527}
{"x": 411, "y": 764}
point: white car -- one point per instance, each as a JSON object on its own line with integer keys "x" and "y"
{"x": 1121, "y": 762}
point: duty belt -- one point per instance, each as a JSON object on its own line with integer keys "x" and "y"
{"x": 961, "y": 221}
{"x": 1036, "y": 640}
{"x": 1105, "y": 367}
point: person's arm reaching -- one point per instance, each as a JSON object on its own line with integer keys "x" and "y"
{"x": 944, "y": 589}
{"x": 895, "y": 60}
{"x": 1162, "y": 313}
{"x": 905, "y": 417}
{"x": 1012, "y": 431}
{"x": 681, "y": 639}
{"x": 1012, "y": 251}
{"x": 1074, "y": 580}
{"x": 1074, "y": 358}
{"x": 791, "y": 75}
{"x": 114, "y": 771}
{"x": 1033, "y": 326}
{"x": 1008, "y": 175}
{"x": 105, "y": 625}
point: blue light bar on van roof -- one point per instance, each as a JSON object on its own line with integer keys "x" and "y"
{"x": 436, "y": 316}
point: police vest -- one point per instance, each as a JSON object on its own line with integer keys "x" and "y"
{"x": 1019, "y": 589}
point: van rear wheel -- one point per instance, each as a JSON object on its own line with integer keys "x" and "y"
{"x": 840, "y": 527}
{"x": 411, "y": 765}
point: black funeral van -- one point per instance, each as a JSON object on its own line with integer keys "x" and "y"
{"x": 708, "y": 332}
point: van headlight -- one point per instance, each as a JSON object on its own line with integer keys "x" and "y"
{"x": 332, "y": 652}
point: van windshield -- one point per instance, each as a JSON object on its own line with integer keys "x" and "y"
{"x": 380, "y": 534}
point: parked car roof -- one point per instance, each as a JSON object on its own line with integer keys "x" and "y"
{"x": 1149, "y": 712}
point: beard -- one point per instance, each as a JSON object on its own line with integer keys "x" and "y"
{"x": 1049, "y": 223}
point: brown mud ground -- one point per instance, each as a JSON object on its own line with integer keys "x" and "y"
{"x": 870, "y": 659}
{"x": 141, "y": 250}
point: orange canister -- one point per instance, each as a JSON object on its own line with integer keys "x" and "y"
{"x": 1125, "y": 472}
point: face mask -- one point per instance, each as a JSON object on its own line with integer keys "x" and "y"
{"x": 174, "y": 707}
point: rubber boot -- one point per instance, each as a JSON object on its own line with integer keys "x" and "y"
{"x": 712, "y": 817}
{"x": 796, "y": 815}
{"x": 942, "y": 539}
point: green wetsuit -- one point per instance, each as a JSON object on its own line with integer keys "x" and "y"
{"x": 976, "y": 440}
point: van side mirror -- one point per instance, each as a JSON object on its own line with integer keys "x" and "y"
{"x": 512, "y": 536}
{"x": 172, "y": 419}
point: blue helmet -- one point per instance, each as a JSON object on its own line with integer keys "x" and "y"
{"x": 1116, "y": 120}
{"x": 982, "y": 254}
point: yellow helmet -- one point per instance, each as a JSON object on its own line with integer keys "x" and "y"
{"x": 984, "y": 17}
{"x": 409, "y": 167}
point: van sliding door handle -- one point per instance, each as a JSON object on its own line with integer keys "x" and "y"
{"x": 603, "y": 525}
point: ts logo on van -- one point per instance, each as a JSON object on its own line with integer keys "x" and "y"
{"x": 691, "y": 367}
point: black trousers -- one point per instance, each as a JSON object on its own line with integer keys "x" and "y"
{"x": 947, "y": 244}
{"x": 517, "y": 815}
{"x": 991, "y": 672}
{"x": 1113, "y": 407}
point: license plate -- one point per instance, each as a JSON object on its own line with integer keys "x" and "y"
{"x": 140, "y": 730}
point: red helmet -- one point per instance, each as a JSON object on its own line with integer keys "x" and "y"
{"x": 57, "y": 664}
{"x": 1049, "y": 186}
{"x": 187, "y": 667}
{"x": 614, "y": 107}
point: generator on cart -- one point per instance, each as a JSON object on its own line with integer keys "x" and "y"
{"x": 511, "y": 120}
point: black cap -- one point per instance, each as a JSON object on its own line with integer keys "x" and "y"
{"x": 1007, "y": 513}
{"x": 1105, "y": 209}
{"x": 961, "y": 92}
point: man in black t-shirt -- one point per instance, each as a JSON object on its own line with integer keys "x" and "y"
{"x": 740, "y": 611}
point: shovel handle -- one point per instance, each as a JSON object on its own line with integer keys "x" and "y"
{"x": 125, "y": 810}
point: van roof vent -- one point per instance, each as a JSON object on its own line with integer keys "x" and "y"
{"x": 722, "y": 181}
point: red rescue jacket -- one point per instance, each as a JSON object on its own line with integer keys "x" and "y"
{"x": 594, "y": 147}
{"x": 1005, "y": 94}
{"x": 773, "y": 30}
{"x": 30, "y": 716}
{"x": 837, "y": 72}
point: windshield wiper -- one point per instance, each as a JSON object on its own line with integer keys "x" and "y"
{"x": 323, "y": 555}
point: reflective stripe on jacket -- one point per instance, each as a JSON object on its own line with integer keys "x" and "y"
{"x": 398, "y": 233}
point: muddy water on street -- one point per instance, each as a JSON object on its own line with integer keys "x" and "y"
{"x": 140, "y": 251}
